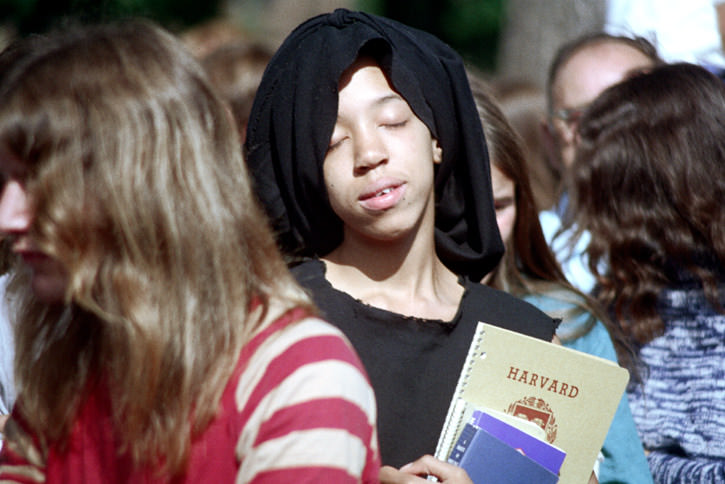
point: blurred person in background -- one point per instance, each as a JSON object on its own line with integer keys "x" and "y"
{"x": 524, "y": 105}
{"x": 648, "y": 184}
{"x": 235, "y": 69}
{"x": 529, "y": 270}
{"x": 579, "y": 72}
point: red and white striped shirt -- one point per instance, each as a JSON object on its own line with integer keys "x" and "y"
{"x": 298, "y": 408}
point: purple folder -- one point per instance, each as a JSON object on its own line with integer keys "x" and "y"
{"x": 542, "y": 452}
{"x": 488, "y": 460}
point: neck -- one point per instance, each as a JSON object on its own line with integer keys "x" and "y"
{"x": 404, "y": 276}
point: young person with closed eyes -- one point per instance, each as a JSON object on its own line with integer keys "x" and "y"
{"x": 366, "y": 150}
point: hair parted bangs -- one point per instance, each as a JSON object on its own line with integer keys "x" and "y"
{"x": 139, "y": 189}
{"x": 648, "y": 183}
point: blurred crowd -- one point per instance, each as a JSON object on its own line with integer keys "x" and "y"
{"x": 227, "y": 262}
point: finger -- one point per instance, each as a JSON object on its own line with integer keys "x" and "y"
{"x": 445, "y": 472}
{"x": 390, "y": 475}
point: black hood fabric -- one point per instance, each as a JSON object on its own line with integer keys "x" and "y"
{"x": 294, "y": 115}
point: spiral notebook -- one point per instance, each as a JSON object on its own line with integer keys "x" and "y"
{"x": 571, "y": 395}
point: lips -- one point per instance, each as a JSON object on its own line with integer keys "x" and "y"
{"x": 382, "y": 194}
{"x": 24, "y": 248}
{"x": 34, "y": 258}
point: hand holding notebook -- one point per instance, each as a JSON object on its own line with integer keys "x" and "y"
{"x": 571, "y": 396}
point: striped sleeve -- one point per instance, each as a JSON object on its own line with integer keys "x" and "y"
{"x": 307, "y": 410}
{"x": 20, "y": 460}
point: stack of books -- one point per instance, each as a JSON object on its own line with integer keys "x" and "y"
{"x": 496, "y": 452}
{"x": 528, "y": 411}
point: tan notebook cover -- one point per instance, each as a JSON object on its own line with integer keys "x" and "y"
{"x": 571, "y": 395}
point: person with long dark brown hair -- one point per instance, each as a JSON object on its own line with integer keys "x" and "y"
{"x": 648, "y": 183}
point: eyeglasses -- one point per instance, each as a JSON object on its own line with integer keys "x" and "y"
{"x": 570, "y": 116}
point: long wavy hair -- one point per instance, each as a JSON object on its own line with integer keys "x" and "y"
{"x": 139, "y": 190}
{"x": 528, "y": 265}
{"x": 648, "y": 183}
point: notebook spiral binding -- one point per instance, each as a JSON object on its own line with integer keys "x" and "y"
{"x": 457, "y": 410}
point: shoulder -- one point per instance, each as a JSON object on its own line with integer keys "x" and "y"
{"x": 689, "y": 299}
{"x": 596, "y": 341}
{"x": 306, "y": 361}
{"x": 304, "y": 341}
{"x": 502, "y": 309}
{"x": 309, "y": 272}
{"x": 337, "y": 307}
{"x": 302, "y": 386}
{"x": 690, "y": 318}
{"x": 579, "y": 327}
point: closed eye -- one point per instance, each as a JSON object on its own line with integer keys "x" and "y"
{"x": 396, "y": 125}
{"x": 334, "y": 145}
{"x": 502, "y": 203}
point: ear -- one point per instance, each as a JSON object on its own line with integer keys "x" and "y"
{"x": 437, "y": 152}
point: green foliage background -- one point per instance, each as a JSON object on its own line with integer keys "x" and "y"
{"x": 33, "y": 16}
{"x": 471, "y": 27}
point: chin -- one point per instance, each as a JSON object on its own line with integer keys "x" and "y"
{"x": 49, "y": 289}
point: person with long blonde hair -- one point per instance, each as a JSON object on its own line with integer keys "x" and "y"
{"x": 160, "y": 336}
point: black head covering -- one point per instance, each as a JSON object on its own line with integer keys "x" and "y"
{"x": 294, "y": 114}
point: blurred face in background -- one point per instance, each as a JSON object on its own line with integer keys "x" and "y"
{"x": 580, "y": 80}
{"x": 504, "y": 201}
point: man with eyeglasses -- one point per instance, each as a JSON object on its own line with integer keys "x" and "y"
{"x": 579, "y": 72}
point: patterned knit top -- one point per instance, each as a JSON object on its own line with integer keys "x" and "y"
{"x": 679, "y": 408}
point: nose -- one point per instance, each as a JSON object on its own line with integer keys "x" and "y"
{"x": 14, "y": 208}
{"x": 370, "y": 150}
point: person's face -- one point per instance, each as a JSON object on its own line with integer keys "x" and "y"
{"x": 378, "y": 169}
{"x": 49, "y": 278}
{"x": 504, "y": 200}
{"x": 588, "y": 73}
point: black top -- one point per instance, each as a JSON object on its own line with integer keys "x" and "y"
{"x": 414, "y": 364}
